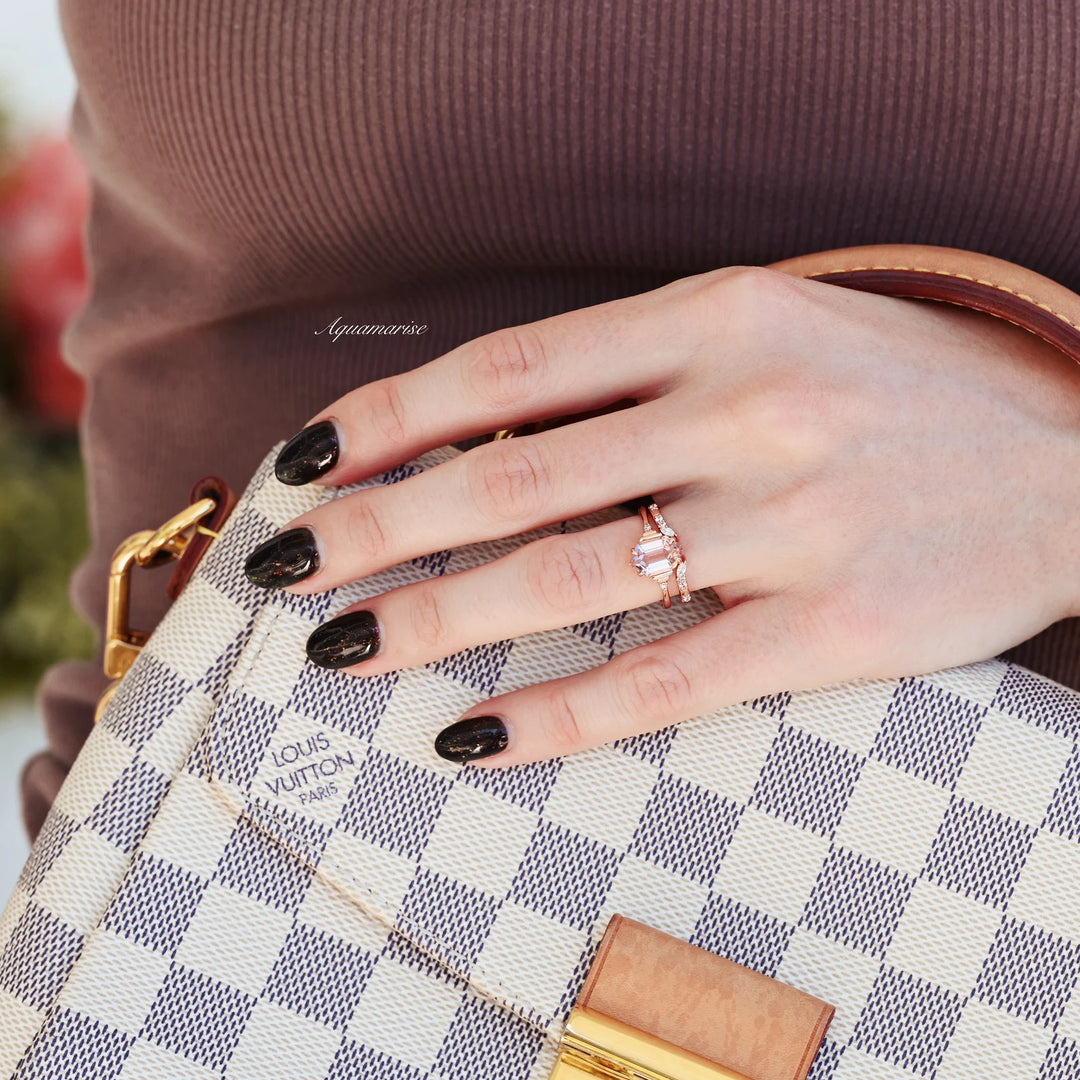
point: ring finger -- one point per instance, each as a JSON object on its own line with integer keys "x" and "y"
{"x": 552, "y": 582}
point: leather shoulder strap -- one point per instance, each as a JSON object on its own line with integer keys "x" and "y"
{"x": 956, "y": 276}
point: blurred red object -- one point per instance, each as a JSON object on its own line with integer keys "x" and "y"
{"x": 43, "y": 203}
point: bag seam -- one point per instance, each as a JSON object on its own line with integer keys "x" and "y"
{"x": 380, "y": 907}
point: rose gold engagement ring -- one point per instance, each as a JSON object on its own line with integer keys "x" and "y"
{"x": 658, "y": 554}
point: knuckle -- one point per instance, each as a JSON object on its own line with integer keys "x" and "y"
{"x": 565, "y": 573}
{"x": 801, "y": 512}
{"x": 426, "y": 618}
{"x": 564, "y": 729}
{"x": 364, "y": 532}
{"x": 510, "y": 480}
{"x": 769, "y": 288}
{"x": 507, "y": 365}
{"x": 655, "y": 687}
{"x": 387, "y": 413}
{"x": 795, "y": 411}
{"x": 842, "y": 624}
{"x": 751, "y": 290}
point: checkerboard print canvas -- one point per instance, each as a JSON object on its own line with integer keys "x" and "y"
{"x": 260, "y": 870}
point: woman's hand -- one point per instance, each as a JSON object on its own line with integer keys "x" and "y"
{"x": 873, "y": 486}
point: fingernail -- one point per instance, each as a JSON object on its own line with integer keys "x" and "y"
{"x": 346, "y": 640}
{"x": 476, "y": 737}
{"x": 283, "y": 559}
{"x": 308, "y": 454}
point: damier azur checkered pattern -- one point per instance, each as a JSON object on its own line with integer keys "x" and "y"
{"x": 259, "y": 869}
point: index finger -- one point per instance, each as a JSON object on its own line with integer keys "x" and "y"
{"x": 558, "y": 365}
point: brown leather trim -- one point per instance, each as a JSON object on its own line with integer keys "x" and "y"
{"x": 756, "y": 1026}
{"x": 216, "y": 488}
{"x": 1040, "y": 305}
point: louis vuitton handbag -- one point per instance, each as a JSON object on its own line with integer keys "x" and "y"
{"x": 259, "y": 869}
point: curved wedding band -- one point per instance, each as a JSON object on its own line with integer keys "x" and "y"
{"x": 658, "y": 554}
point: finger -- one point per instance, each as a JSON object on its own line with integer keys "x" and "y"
{"x": 495, "y": 490}
{"x": 560, "y": 365}
{"x": 555, "y": 581}
{"x": 756, "y": 648}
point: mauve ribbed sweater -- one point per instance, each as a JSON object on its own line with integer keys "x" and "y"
{"x": 260, "y": 168}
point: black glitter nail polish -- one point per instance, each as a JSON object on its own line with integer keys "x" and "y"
{"x": 346, "y": 640}
{"x": 308, "y": 454}
{"x": 476, "y": 737}
{"x": 290, "y": 556}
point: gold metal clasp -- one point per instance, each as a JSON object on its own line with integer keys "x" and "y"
{"x": 174, "y": 536}
{"x": 596, "y": 1046}
{"x": 147, "y": 549}
{"x": 122, "y": 644}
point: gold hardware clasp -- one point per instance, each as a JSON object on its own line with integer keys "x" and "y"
{"x": 596, "y": 1046}
{"x": 174, "y": 536}
{"x": 147, "y": 548}
{"x": 122, "y": 644}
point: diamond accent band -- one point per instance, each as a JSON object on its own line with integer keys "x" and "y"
{"x": 659, "y": 555}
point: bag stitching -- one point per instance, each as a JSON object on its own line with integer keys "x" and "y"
{"x": 965, "y": 277}
{"x": 380, "y": 907}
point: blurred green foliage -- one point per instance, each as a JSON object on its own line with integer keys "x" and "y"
{"x": 43, "y": 535}
{"x": 43, "y": 532}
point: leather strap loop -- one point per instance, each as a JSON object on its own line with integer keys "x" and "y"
{"x": 956, "y": 276}
{"x": 213, "y": 487}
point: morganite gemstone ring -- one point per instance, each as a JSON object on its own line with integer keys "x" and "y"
{"x": 658, "y": 554}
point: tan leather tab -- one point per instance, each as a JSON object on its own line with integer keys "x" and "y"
{"x": 704, "y": 1003}
{"x": 954, "y": 275}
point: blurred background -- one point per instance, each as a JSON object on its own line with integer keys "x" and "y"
{"x": 43, "y": 200}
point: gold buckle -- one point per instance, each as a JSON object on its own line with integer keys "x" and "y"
{"x": 595, "y": 1045}
{"x": 147, "y": 549}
